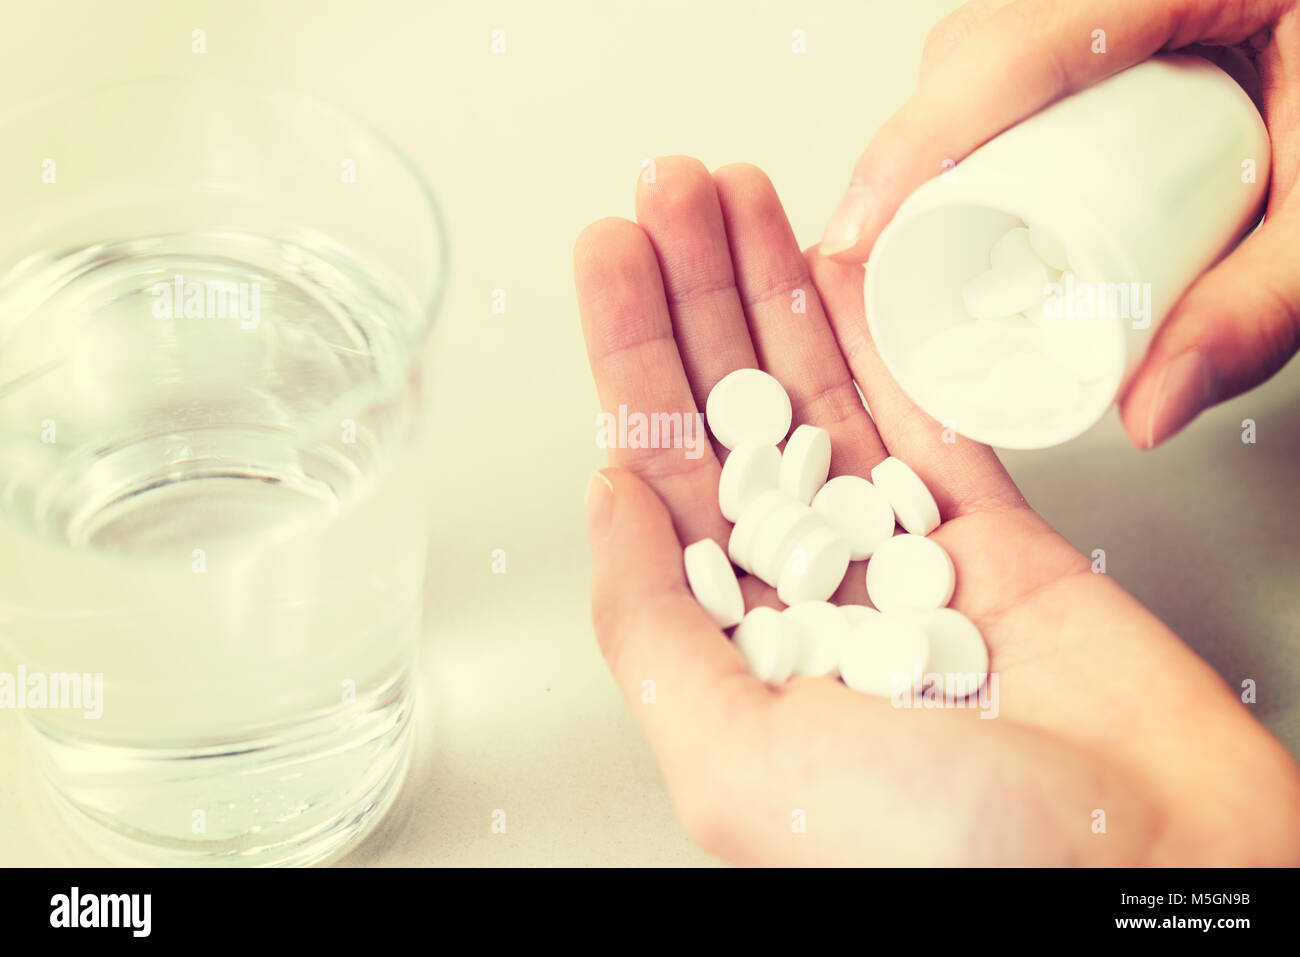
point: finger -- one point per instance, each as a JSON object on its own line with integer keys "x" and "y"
{"x": 948, "y": 33}
{"x": 681, "y": 677}
{"x": 791, "y": 336}
{"x": 1235, "y": 62}
{"x": 1236, "y": 326}
{"x": 1277, "y": 59}
{"x": 1024, "y": 56}
{"x": 638, "y": 372}
{"x": 679, "y": 212}
{"x": 964, "y": 476}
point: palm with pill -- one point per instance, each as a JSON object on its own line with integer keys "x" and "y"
{"x": 1112, "y": 742}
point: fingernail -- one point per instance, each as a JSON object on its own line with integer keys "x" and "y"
{"x": 846, "y": 223}
{"x": 1186, "y": 387}
{"x": 600, "y": 500}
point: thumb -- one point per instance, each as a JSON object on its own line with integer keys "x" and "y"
{"x": 1004, "y": 63}
{"x": 670, "y": 661}
{"x": 1236, "y": 326}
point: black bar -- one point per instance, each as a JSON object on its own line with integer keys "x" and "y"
{"x": 957, "y": 907}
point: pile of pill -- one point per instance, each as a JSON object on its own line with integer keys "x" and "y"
{"x": 1015, "y": 360}
{"x": 798, "y": 532}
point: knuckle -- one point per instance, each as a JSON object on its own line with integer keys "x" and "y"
{"x": 943, "y": 36}
{"x": 952, "y": 29}
{"x": 1279, "y": 339}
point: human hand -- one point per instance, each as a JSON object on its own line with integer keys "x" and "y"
{"x": 1099, "y": 706}
{"x": 992, "y": 63}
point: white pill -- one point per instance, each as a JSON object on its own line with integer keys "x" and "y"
{"x": 910, "y": 572}
{"x": 1009, "y": 334}
{"x": 1050, "y": 299}
{"x": 1080, "y": 344}
{"x": 777, "y": 536}
{"x": 749, "y": 471}
{"x": 857, "y": 614}
{"x": 949, "y": 354}
{"x": 805, "y": 462}
{"x": 858, "y": 511}
{"x": 713, "y": 582}
{"x": 741, "y": 544}
{"x": 748, "y": 407}
{"x": 1005, "y": 291}
{"x": 885, "y": 655}
{"x": 912, "y": 502}
{"x": 820, "y": 631}
{"x": 769, "y": 648}
{"x": 815, "y": 567}
{"x": 1016, "y": 248}
{"x": 961, "y": 350}
{"x": 1033, "y": 384}
{"x": 1012, "y": 249}
{"x": 958, "y": 654}
{"x": 1047, "y": 249}
{"x": 962, "y": 401}
{"x": 968, "y": 349}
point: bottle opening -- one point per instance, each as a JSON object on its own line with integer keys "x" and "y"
{"x": 999, "y": 329}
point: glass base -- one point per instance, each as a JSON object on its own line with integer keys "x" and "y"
{"x": 284, "y": 800}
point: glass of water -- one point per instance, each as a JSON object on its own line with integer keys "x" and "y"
{"x": 214, "y": 302}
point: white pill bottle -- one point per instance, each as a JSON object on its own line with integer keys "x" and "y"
{"x": 1146, "y": 178}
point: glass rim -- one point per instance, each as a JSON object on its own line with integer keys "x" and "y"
{"x": 430, "y": 303}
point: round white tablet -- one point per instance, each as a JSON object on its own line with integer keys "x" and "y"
{"x": 967, "y": 348}
{"x": 857, "y": 614}
{"x": 1005, "y": 291}
{"x": 910, "y": 572}
{"x": 1012, "y": 249}
{"x": 912, "y": 502}
{"x": 777, "y": 536}
{"x": 958, "y": 654}
{"x": 957, "y": 401}
{"x": 821, "y": 632}
{"x": 767, "y": 645}
{"x": 749, "y": 471}
{"x": 1047, "y": 249}
{"x": 713, "y": 583}
{"x": 858, "y": 511}
{"x": 1035, "y": 385}
{"x": 805, "y": 462}
{"x": 748, "y": 407}
{"x": 815, "y": 567}
{"x": 885, "y": 655}
{"x": 1012, "y": 334}
{"x": 1079, "y": 344}
{"x": 741, "y": 544}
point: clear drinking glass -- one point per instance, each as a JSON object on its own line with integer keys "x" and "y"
{"x": 213, "y": 305}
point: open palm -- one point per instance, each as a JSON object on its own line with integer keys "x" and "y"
{"x": 1112, "y": 742}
